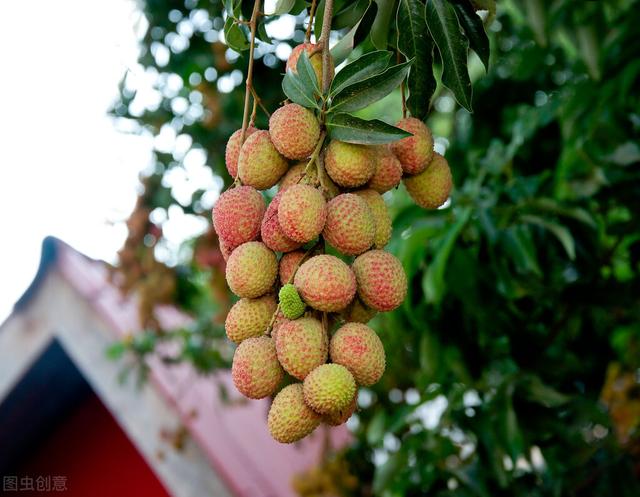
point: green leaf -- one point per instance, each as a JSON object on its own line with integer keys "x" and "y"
{"x": 235, "y": 36}
{"x": 560, "y": 232}
{"x": 380, "y": 28}
{"x": 233, "y": 8}
{"x": 351, "y": 129}
{"x": 350, "y": 15}
{"x": 474, "y": 29}
{"x": 444, "y": 28}
{"x": 307, "y": 75}
{"x": 536, "y": 391}
{"x": 283, "y": 7}
{"x": 344, "y": 47}
{"x": 297, "y": 91}
{"x": 261, "y": 32}
{"x": 368, "y": 91}
{"x": 414, "y": 41}
{"x": 362, "y": 68}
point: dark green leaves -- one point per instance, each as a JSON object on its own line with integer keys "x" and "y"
{"x": 366, "y": 66}
{"x": 302, "y": 86}
{"x": 235, "y": 35}
{"x": 415, "y": 43}
{"x": 443, "y": 24}
{"x": 347, "y": 128}
{"x": 474, "y": 29}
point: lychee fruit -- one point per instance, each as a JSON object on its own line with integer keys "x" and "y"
{"x": 294, "y": 131}
{"x": 251, "y": 270}
{"x": 290, "y": 302}
{"x": 271, "y": 232}
{"x": 357, "y": 312}
{"x": 302, "y": 212}
{"x": 359, "y": 349}
{"x": 232, "y": 151}
{"x": 315, "y": 59}
{"x": 414, "y": 152}
{"x": 432, "y": 187}
{"x": 237, "y": 216}
{"x": 325, "y": 283}
{"x": 381, "y": 218}
{"x": 388, "y": 172}
{"x": 350, "y": 226}
{"x": 260, "y": 165}
{"x": 288, "y": 264}
{"x": 349, "y": 165}
{"x": 302, "y": 346}
{"x": 382, "y": 282}
{"x": 290, "y": 419}
{"x": 329, "y": 389}
{"x": 249, "y": 318}
{"x": 255, "y": 370}
{"x": 279, "y": 322}
{"x": 224, "y": 249}
{"x": 342, "y": 416}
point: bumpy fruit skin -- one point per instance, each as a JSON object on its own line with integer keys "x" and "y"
{"x": 349, "y": 165}
{"x": 342, "y": 416}
{"x": 325, "y": 283}
{"x": 279, "y": 323}
{"x": 251, "y": 270}
{"x": 381, "y": 218}
{"x": 256, "y": 371}
{"x": 358, "y": 348}
{"x": 388, "y": 171}
{"x": 237, "y": 215}
{"x": 288, "y": 264}
{"x": 232, "y": 151}
{"x": 290, "y": 419}
{"x": 431, "y": 188}
{"x": 382, "y": 282}
{"x": 329, "y": 389}
{"x": 357, "y": 312}
{"x": 295, "y": 175}
{"x": 249, "y": 318}
{"x": 290, "y": 302}
{"x": 350, "y": 227}
{"x": 302, "y": 213}
{"x": 414, "y": 152}
{"x": 316, "y": 60}
{"x": 301, "y": 346}
{"x": 294, "y": 131}
{"x": 271, "y": 232}
{"x": 260, "y": 165}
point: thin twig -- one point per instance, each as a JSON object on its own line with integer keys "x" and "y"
{"x": 312, "y": 13}
{"x": 259, "y": 100}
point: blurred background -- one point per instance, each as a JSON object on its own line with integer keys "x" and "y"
{"x": 513, "y": 366}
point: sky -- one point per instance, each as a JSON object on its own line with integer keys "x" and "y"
{"x": 64, "y": 169}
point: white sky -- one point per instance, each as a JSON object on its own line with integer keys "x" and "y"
{"x": 64, "y": 169}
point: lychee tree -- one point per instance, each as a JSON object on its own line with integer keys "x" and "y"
{"x": 501, "y": 337}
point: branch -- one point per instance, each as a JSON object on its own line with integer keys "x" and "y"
{"x": 324, "y": 38}
{"x": 312, "y": 13}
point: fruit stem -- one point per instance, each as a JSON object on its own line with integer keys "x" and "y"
{"x": 257, "y": 99}
{"x": 326, "y": 53}
{"x": 312, "y": 13}
{"x": 314, "y": 155}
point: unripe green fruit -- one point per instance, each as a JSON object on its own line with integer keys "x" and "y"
{"x": 349, "y": 165}
{"x": 329, "y": 389}
{"x": 302, "y": 213}
{"x": 249, "y": 318}
{"x": 342, "y": 416}
{"x": 358, "y": 348}
{"x": 315, "y": 59}
{"x": 288, "y": 265}
{"x": 325, "y": 283}
{"x": 256, "y": 371}
{"x": 431, "y": 188}
{"x": 232, "y": 152}
{"x": 382, "y": 282}
{"x": 414, "y": 152}
{"x": 251, "y": 270}
{"x": 271, "y": 232}
{"x": 350, "y": 226}
{"x": 302, "y": 346}
{"x": 237, "y": 216}
{"x": 381, "y": 218}
{"x": 290, "y": 302}
{"x": 259, "y": 164}
{"x": 388, "y": 172}
{"x": 290, "y": 419}
{"x": 294, "y": 131}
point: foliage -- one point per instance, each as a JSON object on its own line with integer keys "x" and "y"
{"x": 512, "y": 365}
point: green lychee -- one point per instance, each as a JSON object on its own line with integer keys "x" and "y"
{"x": 349, "y": 165}
{"x": 290, "y": 419}
{"x": 260, "y": 165}
{"x": 249, "y": 318}
{"x": 294, "y": 131}
{"x": 302, "y": 212}
{"x": 431, "y": 188}
{"x": 325, "y": 283}
{"x": 381, "y": 218}
{"x": 341, "y": 417}
{"x": 251, "y": 270}
{"x": 232, "y": 151}
{"x": 256, "y": 371}
{"x": 382, "y": 282}
{"x": 359, "y": 349}
{"x": 290, "y": 302}
{"x": 237, "y": 216}
{"x": 288, "y": 264}
{"x": 271, "y": 232}
{"x": 329, "y": 389}
{"x": 388, "y": 172}
{"x": 350, "y": 226}
{"x": 414, "y": 152}
{"x": 302, "y": 346}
